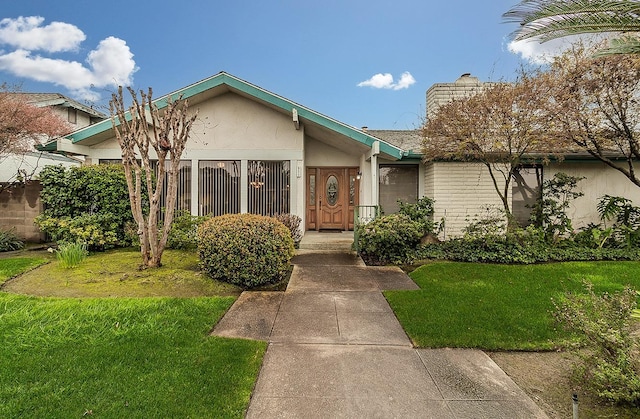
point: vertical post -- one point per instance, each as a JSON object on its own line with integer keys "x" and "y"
{"x": 575, "y": 405}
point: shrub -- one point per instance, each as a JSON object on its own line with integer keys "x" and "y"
{"x": 521, "y": 246}
{"x": 609, "y": 365}
{"x": 91, "y": 200}
{"x": 292, "y": 222}
{"x": 71, "y": 255}
{"x": 550, "y": 212}
{"x": 184, "y": 231}
{"x": 97, "y": 231}
{"x": 389, "y": 239}
{"x": 245, "y": 249}
{"x": 9, "y": 241}
{"x": 625, "y": 230}
{"x": 422, "y": 213}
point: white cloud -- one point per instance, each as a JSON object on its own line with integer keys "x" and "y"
{"x": 535, "y": 52}
{"x": 110, "y": 64}
{"x": 385, "y": 81}
{"x": 28, "y": 33}
{"x": 406, "y": 80}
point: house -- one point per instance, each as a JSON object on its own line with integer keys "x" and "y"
{"x": 77, "y": 116}
{"x": 20, "y": 204}
{"x": 254, "y": 151}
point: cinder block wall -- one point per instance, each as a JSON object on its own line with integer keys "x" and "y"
{"x": 19, "y": 206}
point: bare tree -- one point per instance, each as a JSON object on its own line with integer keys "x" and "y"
{"x": 596, "y": 107}
{"x": 499, "y": 126}
{"x": 144, "y": 132}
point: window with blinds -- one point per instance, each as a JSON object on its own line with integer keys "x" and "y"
{"x": 183, "y": 199}
{"x": 268, "y": 187}
{"x": 219, "y": 187}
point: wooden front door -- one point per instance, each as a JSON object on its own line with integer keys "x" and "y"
{"x": 331, "y": 197}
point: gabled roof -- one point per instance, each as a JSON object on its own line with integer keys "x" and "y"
{"x": 57, "y": 99}
{"x": 224, "y": 82}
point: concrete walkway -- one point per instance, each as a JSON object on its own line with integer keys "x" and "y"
{"x": 336, "y": 350}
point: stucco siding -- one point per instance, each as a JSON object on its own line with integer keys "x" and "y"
{"x": 600, "y": 180}
{"x": 319, "y": 154}
{"x": 461, "y": 192}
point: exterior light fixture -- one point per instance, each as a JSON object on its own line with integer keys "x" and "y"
{"x": 359, "y": 175}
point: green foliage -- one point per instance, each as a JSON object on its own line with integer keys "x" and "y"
{"x": 626, "y": 228}
{"x": 184, "y": 231}
{"x": 98, "y": 231}
{"x": 422, "y": 213}
{"x": 550, "y": 212}
{"x": 245, "y": 249}
{"x": 490, "y": 222}
{"x": 292, "y": 222}
{"x": 71, "y": 255}
{"x": 88, "y": 203}
{"x": 389, "y": 239}
{"x": 521, "y": 246}
{"x": 9, "y": 241}
{"x": 603, "y": 323}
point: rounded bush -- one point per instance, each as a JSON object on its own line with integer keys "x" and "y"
{"x": 389, "y": 239}
{"x": 245, "y": 249}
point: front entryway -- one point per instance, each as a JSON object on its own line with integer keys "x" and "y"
{"x": 332, "y": 194}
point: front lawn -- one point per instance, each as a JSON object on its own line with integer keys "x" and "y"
{"x": 124, "y": 357}
{"x": 11, "y": 267}
{"x": 498, "y": 307}
{"x": 116, "y": 273}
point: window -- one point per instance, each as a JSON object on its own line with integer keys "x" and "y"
{"x": 72, "y": 115}
{"x": 183, "y": 199}
{"x": 268, "y": 187}
{"x": 526, "y": 190}
{"x": 219, "y": 187}
{"x": 397, "y": 182}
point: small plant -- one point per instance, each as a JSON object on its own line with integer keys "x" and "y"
{"x": 71, "y": 255}
{"x": 490, "y": 222}
{"x": 603, "y": 324}
{"x": 292, "y": 222}
{"x": 10, "y": 241}
{"x": 245, "y": 249}
{"x": 626, "y": 218}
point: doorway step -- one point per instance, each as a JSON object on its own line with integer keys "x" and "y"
{"x": 314, "y": 240}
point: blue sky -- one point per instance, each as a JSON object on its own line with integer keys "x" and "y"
{"x": 322, "y": 54}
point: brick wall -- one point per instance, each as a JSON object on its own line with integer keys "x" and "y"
{"x": 18, "y": 208}
{"x": 461, "y": 191}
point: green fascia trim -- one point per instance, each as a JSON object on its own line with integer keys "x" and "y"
{"x": 50, "y": 146}
{"x": 260, "y": 94}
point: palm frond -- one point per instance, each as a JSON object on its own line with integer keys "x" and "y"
{"x": 624, "y": 45}
{"x": 550, "y": 19}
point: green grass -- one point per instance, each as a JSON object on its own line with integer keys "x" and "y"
{"x": 14, "y": 266}
{"x": 498, "y": 307}
{"x": 125, "y": 357}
